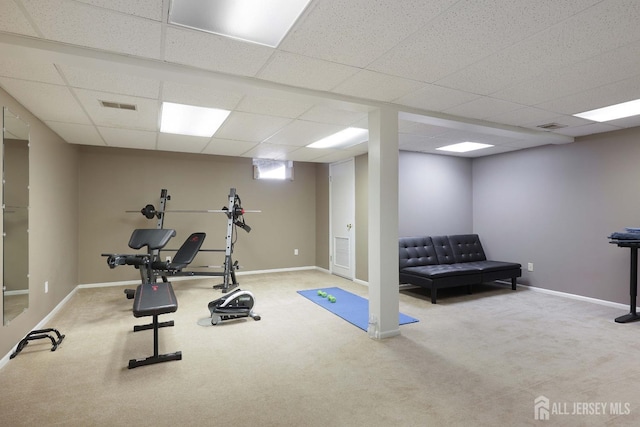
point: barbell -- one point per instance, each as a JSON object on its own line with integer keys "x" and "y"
{"x": 149, "y": 211}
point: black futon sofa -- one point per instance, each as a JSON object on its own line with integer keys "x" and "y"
{"x": 436, "y": 262}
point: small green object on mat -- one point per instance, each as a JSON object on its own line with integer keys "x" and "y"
{"x": 331, "y": 298}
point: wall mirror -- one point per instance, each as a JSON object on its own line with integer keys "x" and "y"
{"x": 15, "y": 216}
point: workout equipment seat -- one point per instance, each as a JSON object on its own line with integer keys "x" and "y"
{"x": 184, "y": 256}
{"x": 154, "y": 299}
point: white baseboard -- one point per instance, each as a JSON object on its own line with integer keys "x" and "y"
{"x": 579, "y": 297}
{"x": 570, "y": 296}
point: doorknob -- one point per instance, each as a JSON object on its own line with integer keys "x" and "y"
{"x": 349, "y": 227}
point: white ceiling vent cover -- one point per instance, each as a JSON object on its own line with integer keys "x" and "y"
{"x": 118, "y": 105}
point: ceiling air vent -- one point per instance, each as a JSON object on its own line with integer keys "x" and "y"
{"x": 118, "y": 105}
{"x": 552, "y": 126}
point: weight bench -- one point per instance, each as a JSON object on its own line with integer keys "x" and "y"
{"x": 149, "y": 298}
{"x": 154, "y": 299}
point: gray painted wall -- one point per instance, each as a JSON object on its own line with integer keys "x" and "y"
{"x": 554, "y": 206}
{"x": 435, "y": 195}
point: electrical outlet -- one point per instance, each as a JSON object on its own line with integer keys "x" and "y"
{"x": 295, "y": 252}
{"x": 530, "y": 266}
{"x": 46, "y": 287}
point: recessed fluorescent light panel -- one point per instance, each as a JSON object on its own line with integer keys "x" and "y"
{"x": 463, "y": 147}
{"x": 189, "y": 120}
{"x": 343, "y": 139}
{"x": 612, "y": 112}
{"x": 262, "y": 22}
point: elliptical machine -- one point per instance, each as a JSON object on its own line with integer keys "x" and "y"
{"x": 234, "y": 305}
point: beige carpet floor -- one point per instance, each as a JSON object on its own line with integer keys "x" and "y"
{"x": 479, "y": 359}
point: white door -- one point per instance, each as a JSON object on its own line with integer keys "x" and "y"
{"x": 341, "y": 220}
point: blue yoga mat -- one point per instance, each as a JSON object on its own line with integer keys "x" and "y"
{"x": 352, "y": 308}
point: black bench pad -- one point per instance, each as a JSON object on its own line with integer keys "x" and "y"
{"x": 153, "y": 299}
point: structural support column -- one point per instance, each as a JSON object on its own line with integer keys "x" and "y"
{"x": 383, "y": 222}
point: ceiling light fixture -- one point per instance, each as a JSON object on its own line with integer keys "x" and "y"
{"x": 463, "y": 147}
{"x": 612, "y": 112}
{"x": 189, "y": 120}
{"x": 262, "y": 22}
{"x": 343, "y": 139}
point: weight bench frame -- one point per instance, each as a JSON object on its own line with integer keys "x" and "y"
{"x": 154, "y": 299}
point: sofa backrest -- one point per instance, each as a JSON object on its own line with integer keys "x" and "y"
{"x": 444, "y": 252}
{"x": 417, "y": 251}
{"x": 467, "y": 248}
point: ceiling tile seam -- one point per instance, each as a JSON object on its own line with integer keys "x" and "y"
{"x": 29, "y": 18}
{"x": 516, "y": 43}
{"x": 412, "y": 34}
{"x": 114, "y": 11}
{"x": 75, "y": 97}
{"x": 164, "y": 22}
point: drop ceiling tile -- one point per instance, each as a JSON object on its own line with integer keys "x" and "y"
{"x": 606, "y": 68}
{"x": 12, "y": 20}
{"x": 200, "y": 96}
{"x": 602, "y": 96}
{"x": 334, "y": 156}
{"x": 409, "y": 127}
{"x": 554, "y": 48}
{"x": 151, "y": 9}
{"x": 627, "y": 122}
{"x": 444, "y": 46}
{"x": 301, "y": 133}
{"x": 525, "y": 143}
{"x": 269, "y": 151}
{"x": 303, "y": 71}
{"x": 250, "y": 127}
{"x": 325, "y": 114}
{"x": 47, "y": 102}
{"x": 436, "y": 98}
{"x": 411, "y": 142}
{"x": 76, "y": 133}
{"x": 129, "y": 138}
{"x": 226, "y": 147}
{"x": 483, "y": 107}
{"x": 181, "y": 143}
{"x": 73, "y": 23}
{"x": 145, "y": 117}
{"x": 358, "y": 31}
{"x": 373, "y": 85}
{"x": 280, "y": 107}
{"x": 588, "y": 129}
{"x": 304, "y": 154}
{"x": 485, "y": 138}
{"x": 213, "y": 52}
{"x": 125, "y": 84}
{"x": 523, "y": 116}
{"x": 27, "y": 69}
